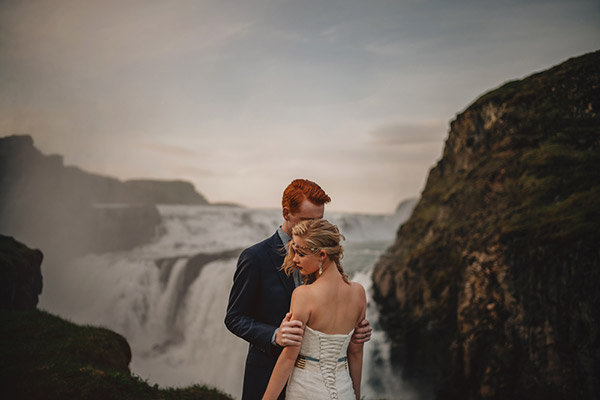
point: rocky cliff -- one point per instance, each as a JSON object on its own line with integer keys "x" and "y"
{"x": 20, "y": 275}
{"x": 491, "y": 287}
{"x": 21, "y": 163}
{"x": 65, "y": 209}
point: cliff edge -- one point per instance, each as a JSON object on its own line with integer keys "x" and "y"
{"x": 66, "y": 210}
{"x": 47, "y": 358}
{"x": 490, "y": 290}
{"x": 20, "y": 275}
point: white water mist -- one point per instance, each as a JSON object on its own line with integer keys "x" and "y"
{"x": 168, "y": 298}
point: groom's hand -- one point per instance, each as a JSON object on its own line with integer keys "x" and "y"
{"x": 290, "y": 332}
{"x": 362, "y": 333}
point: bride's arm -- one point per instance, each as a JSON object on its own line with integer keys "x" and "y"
{"x": 355, "y": 351}
{"x": 355, "y": 358}
{"x": 282, "y": 371}
{"x": 300, "y": 310}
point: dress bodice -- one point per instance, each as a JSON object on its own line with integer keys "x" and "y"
{"x": 324, "y": 346}
{"x": 329, "y": 352}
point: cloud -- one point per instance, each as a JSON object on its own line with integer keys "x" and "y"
{"x": 85, "y": 37}
{"x": 405, "y": 133}
{"x": 191, "y": 172}
{"x": 171, "y": 150}
{"x": 242, "y": 96}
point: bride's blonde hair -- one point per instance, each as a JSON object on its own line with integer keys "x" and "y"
{"x": 319, "y": 234}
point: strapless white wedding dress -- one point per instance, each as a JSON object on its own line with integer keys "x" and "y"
{"x": 321, "y": 370}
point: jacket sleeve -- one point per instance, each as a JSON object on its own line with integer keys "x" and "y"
{"x": 239, "y": 318}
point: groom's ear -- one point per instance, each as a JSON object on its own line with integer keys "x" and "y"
{"x": 286, "y": 213}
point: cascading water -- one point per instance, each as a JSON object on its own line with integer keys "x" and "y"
{"x": 168, "y": 298}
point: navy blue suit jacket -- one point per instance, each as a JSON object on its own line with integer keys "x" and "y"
{"x": 259, "y": 299}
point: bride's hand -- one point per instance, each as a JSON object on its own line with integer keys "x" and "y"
{"x": 290, "y": 332}
{"x": 362, "y": 333}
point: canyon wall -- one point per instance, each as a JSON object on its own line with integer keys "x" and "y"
{"x": 491, "y": 287}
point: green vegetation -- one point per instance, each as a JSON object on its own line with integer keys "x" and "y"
{"x": 46, "y": 357}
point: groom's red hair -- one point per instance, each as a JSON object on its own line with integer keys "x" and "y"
{"x": 301, "y": 189}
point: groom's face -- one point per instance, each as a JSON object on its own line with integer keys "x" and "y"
{"x": 307, "y": 210}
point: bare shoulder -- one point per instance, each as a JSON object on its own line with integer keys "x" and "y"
{"x": 359, "y": 300}
{"x": 303, "y": 295}
{"x": 301, "y": 303}
{"x": 358, "y": 289}
{"x": 301, "y": 291}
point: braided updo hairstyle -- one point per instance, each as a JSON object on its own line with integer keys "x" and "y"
{"x": 319, "y": 234}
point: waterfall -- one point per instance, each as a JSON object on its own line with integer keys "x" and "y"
{"x": 169, "y": 298}
{"x": 380, "y": 380}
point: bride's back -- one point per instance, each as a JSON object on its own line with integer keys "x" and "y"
{"x": 336, "y": 306}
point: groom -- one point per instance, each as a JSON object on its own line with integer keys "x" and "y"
{"x": 261, "y": 292}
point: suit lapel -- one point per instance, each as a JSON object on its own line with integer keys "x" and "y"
{"x": 277, "y": 255}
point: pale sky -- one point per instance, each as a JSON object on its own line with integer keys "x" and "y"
{"x": 240, "y": 97}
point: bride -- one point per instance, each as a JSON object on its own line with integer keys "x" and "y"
{"x": 327, "y": 364}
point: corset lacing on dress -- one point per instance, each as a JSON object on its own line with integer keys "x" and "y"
{"x": 331, "y": 349}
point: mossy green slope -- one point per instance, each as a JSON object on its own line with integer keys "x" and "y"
{"x": 46, "y": 357}
{"x": 490, "y": 288}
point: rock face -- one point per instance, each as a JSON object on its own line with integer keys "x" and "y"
{"x": 20, "y": 275}
{"x": 491, "y": 287}
{"x": 23, "y": 164}
{"x": 51, "y": 206}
